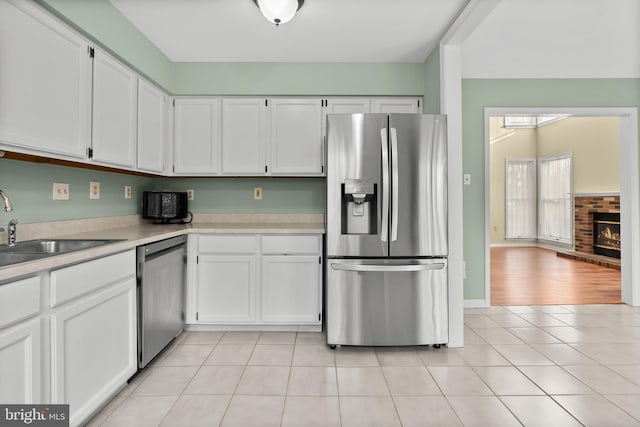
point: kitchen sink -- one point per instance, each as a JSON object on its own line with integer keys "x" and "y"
{"x": 37, "y": 249}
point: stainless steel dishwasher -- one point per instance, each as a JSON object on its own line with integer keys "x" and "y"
{"x": 161, "y": 289}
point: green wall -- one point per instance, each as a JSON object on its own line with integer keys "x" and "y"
{"x": 30, "y": 189}
{"x": 321, "y": 79}
{"x": 478, "y": 94}
{"x": 431, "y": 103}
{"x": 101, "y": 22}
{"x": 235, "y": 195}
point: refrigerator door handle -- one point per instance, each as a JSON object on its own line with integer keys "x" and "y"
{"x": 387, "y": 268}
{"x": 385, "y": 185}
{"x": 394, "y": 183}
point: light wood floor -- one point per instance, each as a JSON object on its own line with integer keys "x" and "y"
{"x": 532, "y": 276}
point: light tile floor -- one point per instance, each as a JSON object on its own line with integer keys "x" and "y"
{"x": 533, "y": 366}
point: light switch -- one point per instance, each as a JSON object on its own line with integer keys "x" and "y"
{"x": 466, "y": 179}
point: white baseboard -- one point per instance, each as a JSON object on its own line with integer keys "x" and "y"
{"x": 476, "y": 303}
{"x": 514, "y": 245}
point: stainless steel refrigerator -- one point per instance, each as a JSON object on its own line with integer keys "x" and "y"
{"x": 386, "y": 242}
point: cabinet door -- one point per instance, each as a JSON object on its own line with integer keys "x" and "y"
{"x": 296, "y": 136}
{"x": 290, "y": 289}
{"x": 93, "y": 348}
{"x": 45, "y": 84}
{"x": 114, "y": 112}
{"x": 348, "y": 105}
{"x": 151, "y": 127}
{"x": 197, "y": 136}
{"x": 396, "y": 105}
{"x": 20, "y": 375}
{"x": 226, "y": 289}
{"x": 243, "y": 136}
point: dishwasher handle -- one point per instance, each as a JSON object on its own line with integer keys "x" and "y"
{"x": 154, "y": 255}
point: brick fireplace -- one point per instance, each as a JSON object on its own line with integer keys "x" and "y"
{"x": 585, "y": 206}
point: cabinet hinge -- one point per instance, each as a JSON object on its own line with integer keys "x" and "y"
{"x": 319, "y": 317}
{"x": 174, "y": 168}
{"x": 91, "y": 51}
{"x": 197, "y": 315}
{"x": 90, "y": 153}
{"x": 197, "y": 259}
{"x": 266, "y": 102}
{"x": 418, "y": 103}
{"x": 319, "y": 260}
{"x": 174, "y": 102}
{"x": 265, "y": 169}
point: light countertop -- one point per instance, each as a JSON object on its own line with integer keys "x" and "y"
{"x": 142, "y": 234}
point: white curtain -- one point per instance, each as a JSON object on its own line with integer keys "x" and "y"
{"x": 521, "y": 199}
{"x": 555, "y": 207}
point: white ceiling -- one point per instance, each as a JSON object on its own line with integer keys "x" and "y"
{"x": 322, "y": 31}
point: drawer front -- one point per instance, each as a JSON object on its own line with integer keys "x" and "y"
{"x": 228, "y": 244}
{"x": 19, "y": 300}
{"x": 71, "y": 282}
{"x": 291, "y": 244}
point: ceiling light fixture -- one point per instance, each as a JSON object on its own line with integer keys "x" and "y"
{"x": 279, "y": 11}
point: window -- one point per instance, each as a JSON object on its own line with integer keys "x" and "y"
{"x": 555, "y": 208}
{"x": 521, "y": 199}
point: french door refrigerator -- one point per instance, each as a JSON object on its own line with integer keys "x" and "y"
{"x": 386, "y": 242}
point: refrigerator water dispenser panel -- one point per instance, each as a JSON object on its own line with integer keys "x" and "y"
{"x": 359, "y": 203}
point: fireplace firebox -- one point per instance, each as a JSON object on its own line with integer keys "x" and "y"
{"x": 606, "y": 234}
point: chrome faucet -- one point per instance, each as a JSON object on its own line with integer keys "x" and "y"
{"x": 5, "y": 200}
{"x": 11, "y": 232}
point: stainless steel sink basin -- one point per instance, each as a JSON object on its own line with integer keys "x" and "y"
{"x": 37, "y": 249}
{"x": 9, "y": 258}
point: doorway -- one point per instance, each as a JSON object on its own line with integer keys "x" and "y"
{"x": 628, "y": 196}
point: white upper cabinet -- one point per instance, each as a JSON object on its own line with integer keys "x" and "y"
{"x": 197, "y": 136}
{"x": 45, "y": 84}
{"x": 341, "y": 105}
{"x": 243, "y": 136}
{"x": 296, "y": 136}
{"x": 396, "y": 105}
{"x": 114, "y": 112}
{"x": 151, "y": 127}
{"x": 275, "y": 136}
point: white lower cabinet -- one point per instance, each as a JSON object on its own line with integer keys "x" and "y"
{"x": 20, "y": 342}
{"x": 226, "y": 288}
{"x": 93, "y": 336}
{"x": 20, "y": 361}
{"x": 68, "y": 336}
{"x": 290, "y": 289}
{"x": 257, "y": 280}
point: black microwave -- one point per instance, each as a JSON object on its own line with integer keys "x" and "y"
{"x": 164, "y": 205}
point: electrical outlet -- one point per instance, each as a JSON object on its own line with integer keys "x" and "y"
{"x": 257, "y": 193}
{"x": 94, "y": 190}
{"x": 191, "y": 194}
{"x": 127, "y": 191}
{"x": 466, "y": 179}
{"x": 60, "y": 191}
